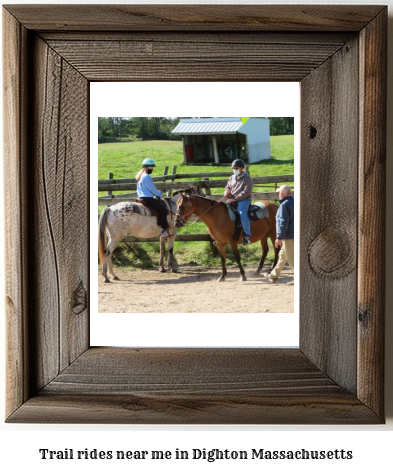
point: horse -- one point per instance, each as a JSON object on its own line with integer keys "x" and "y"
{"x": 222, "y": 228}
{"x": 135, "y": 219}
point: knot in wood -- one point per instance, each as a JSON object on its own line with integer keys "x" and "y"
{"x": 313, "y": 132}
{"x": 80, "y": 299}
{"x": 331, "y": 255}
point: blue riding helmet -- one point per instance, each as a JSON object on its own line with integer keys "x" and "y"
{"x": 148, "y": 162}
{"x": 238, "y": 164}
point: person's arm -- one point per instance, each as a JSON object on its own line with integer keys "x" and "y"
{"x": 246, "y": 189}
{"x": 282, "y": 220}
{"x": 227, "y": 191}
{"x": 151, "y": 187}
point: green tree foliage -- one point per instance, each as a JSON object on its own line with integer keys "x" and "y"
{"x": 136, "y": 128}
{"x": 281, "y": 125}
{"x": 111, "y": 129}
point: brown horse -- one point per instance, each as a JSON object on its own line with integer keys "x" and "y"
{"x": 222, "y": 228}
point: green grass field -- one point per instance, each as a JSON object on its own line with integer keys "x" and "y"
{"x": 124, "y": 159}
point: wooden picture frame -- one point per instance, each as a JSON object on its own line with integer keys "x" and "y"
{"x": 338, "y": 54}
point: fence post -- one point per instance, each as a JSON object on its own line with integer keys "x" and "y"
{"x": 170, "y": 192}
{"x": 207, "y": 187}
{"x": 174, "y": 169}
{"x": 109, "y": 193}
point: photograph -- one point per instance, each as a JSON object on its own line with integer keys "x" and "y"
{"x": 193, "y": 210}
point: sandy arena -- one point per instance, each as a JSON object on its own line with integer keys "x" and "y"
{"x": 194, "y": 290}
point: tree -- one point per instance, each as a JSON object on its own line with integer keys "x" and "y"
{"x": 281, "y": 125}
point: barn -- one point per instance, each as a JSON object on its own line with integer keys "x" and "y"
{"x": 222, "y": 140}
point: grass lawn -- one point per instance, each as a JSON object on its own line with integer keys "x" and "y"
{"x": 124, "y": 159}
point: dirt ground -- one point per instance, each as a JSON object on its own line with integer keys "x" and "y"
{"x": 195, "y": 290}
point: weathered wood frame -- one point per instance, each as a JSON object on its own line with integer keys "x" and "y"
{"x": 338, "y": 54}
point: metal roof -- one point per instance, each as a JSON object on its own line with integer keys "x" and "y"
{"x": 208, "y": 126}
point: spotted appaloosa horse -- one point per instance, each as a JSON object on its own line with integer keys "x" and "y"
{"x": 132, "y": 218}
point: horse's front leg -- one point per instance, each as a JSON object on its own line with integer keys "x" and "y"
{"x": 162, "y": 254}
{"x": 239, "y": 263}
{"x": 171, "y": 258}
{"x": 223, "y": 256}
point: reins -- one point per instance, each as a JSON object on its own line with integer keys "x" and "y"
{"x": 212, "y": 204}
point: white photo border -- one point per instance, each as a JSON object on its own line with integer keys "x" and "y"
{"x": 147, "y": 99}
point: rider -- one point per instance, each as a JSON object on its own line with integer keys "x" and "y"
{"x": 148, "y": 192}
{"x": 239, "y": 189}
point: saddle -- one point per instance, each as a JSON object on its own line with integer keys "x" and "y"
{"x": 153, "y": 212}
{"x": 255, "y": 211}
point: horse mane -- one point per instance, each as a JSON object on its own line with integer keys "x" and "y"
{"x": 207, "y": 198}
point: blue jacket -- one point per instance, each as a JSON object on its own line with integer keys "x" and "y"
{"x": 146, "y": 188}
{"x": 285, "y": 226}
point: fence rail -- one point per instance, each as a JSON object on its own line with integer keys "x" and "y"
{"x": 167, "y": 182}
{"x": 109, "y": 201}
{"x": 130, "y": 185}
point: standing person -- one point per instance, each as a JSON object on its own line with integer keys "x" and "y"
{"x": 148, "y": 192}
{"x": 239, "y": 190}
{"x": 285, "y": 231}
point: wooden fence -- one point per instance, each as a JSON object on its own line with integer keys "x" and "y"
{"x": 167, "y": 183}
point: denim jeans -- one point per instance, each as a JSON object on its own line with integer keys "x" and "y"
{"x": 242, "y": 207}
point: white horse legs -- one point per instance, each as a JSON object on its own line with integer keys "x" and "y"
{"x": 107, "y": 265}
{"x": 171, "y": 259}
{"x": 162, "y": 253}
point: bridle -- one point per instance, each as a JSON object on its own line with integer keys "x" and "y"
{"x": 169, "y": 202}
{"x": 183, "y": 218}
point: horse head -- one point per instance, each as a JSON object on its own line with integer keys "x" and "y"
{"x": 184, "y": 210}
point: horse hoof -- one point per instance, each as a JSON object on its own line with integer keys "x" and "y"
{"x": 243, "y": 278}
{"x": 162, "y": 270}
{"x": 116, "y": 278}
{"x": 221, "y": 279}
{"x": 106, "y": 280}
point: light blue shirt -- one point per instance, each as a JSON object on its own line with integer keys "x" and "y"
{"x": 146, "y": 188}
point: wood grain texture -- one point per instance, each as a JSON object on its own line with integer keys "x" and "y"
{"x": 329, "y": 172}
{"x": 175, "y": 57}
{"x": 372, "y": 198}
{"x": 335, "y": 376}
{"x": 192, "y": 17}
{"x": 16, "y": 226}
{"x": 198, "y": 385}
{"x": 60, "y": 180}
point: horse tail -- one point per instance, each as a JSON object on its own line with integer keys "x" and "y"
{"x": 101, "y": 233}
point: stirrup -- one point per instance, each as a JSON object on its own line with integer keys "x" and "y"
{"x": 246, "y": 240}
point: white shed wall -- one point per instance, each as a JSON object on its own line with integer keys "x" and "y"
{"x": 258, "y": 139}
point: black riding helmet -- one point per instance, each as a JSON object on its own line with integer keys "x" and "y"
{"x": 238, "y": 164}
